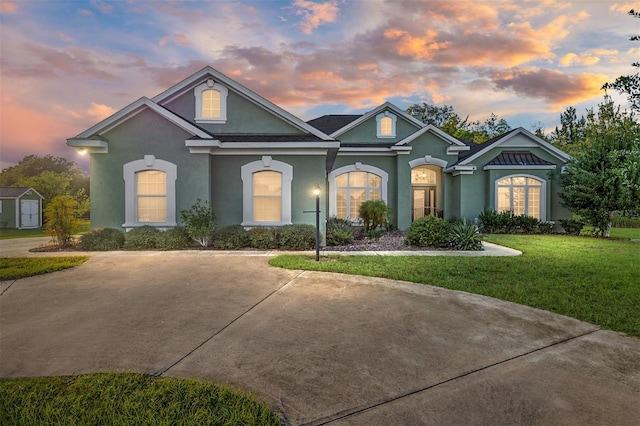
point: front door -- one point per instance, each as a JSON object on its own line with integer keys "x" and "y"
{"x": 30, "y": 215}
{"x": 424, "y": 201}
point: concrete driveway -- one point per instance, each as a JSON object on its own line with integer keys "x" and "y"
{"x": 321, "y": 348}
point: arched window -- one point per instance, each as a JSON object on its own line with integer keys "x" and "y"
{"x": 267, "y": 196}
{"x": 266, "y": 192}
{"x": 151, "y": 195}
{"x": 386, "y": 125}
{"x": 423, "y": 175}
{"x": 522, "y": 195}
{"x": 211, "y": 102}
{"x": 150, "y": 192}
{"x": 350, "y": 186}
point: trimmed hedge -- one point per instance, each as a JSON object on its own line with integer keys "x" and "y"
{"x": 102, "y": 239}
{"x": 297, "y": 237}
{"x": 231, "y": 237}
{"x": 173, "y": 239}
{"x": 143, "y": 238}
{"x": 263, "y": 238}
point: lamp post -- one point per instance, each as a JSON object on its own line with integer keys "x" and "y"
{"x": 316, "y": 192}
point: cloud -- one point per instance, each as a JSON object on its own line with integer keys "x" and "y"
{"x": 315, "y": 14}
{"x": 8, "y": 7}
{"x": 102, "y": 6}
{"x": 554, "y": 87}
{"x": 179, "y": 39}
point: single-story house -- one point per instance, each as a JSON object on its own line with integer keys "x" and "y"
{"x": 20, "y": 208}
{"x": 210, "y": 138}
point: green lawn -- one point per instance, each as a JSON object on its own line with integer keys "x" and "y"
{"x": 13, "y": 268}
{"x": 85, "y": 226}
{"x": 591, "y": 279}
{"x": 127, "y": 399}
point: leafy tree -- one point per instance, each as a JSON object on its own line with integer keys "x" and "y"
{"x": 572, "y": 131}
{"x": 50, "y": 176}
{"x": 446, "y": 119}
{"x": 61, "y": 217}
{"x": 629, "y": 84}
{"x": 604, "y": 176}
{"x": 200, "y": 222}
{"x": 374, "y": 213}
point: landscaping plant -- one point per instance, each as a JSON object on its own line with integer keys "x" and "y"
{"x": 231, "y": 237}
{"x": 143, "y": 238}
{"x": 464, "y": 236}
{"x": 263, "y": 238}
{"x": 373, "y": 213}
{"x": 102, "y": 239}
{"x": 297, "y": 237}
{"x": 61, "y": 217}
{"x": 340, "y": 232}
{"x": 173, "y": 239}
{"x": 200, "y": 222}
{"x": 428, "y": 231}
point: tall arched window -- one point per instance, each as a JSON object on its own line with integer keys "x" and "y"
{"x": 266, "y": 192}
{"x": 522, "y": 195}
{"x": 350, "y": 186}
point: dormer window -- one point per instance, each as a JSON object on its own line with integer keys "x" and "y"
{"x": 211, "y": 103}
{"x": 386, "y": 125}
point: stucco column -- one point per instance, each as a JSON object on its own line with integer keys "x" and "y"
{"x": 403, "y": 182}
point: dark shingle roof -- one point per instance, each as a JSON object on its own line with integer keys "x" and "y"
{"x": 330, "y": 123}
{"x": 476, "y": 147}
{"x": 518, "y": 158}
{"x": 12, "y": 192}
{"x": 239, "y": 137}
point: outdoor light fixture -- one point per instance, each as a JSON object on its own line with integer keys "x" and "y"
{"x": 316, "y": 192}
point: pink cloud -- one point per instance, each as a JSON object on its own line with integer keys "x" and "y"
{"x": 315, "y": 14}
{"x": 8, "y": 7}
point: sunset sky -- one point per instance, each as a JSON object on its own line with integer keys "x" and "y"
{"x": 65, "y": 65}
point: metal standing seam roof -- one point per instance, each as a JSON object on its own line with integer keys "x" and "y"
{"x": 518, "y": 158}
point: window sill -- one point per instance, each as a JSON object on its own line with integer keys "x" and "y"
{"x": 162, "y": 225}
{"x": 258, "y": 224}
{"x": 210, "y": 120}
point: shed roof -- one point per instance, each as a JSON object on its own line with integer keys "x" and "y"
{"x": 15, "y": 191}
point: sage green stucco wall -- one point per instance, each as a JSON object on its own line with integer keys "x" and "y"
{"x": 243, "y": 116}
{"x": 145, "y": 134}
{"x": 227, "y": 195}
{"x": 367, "y": 131}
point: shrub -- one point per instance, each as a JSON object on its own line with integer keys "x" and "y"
{"x": 572, "y": 226}
{"x": 428, "y": 231}
{"x": 525, "y": 224}
{"x": 143, "y": 238}
{"x": 61, "y": 215}
{"x": 545, "y": 228}
{"x": 102, "y": 239}
{"x": 200, "y": 222}
{"x": 340, "y": 232}
{"x": 173, "y": 239}
{"x": 490, "y": 222}
{"x": 374, "y": 234}
{"x": 263, "y": 238}
{"x": 464, "y": 236}
{"x": 231, "y": 237}
{"x": 373, "y": 214}
{"x": 620, "y": 221}
{"x": 297, "y": 237}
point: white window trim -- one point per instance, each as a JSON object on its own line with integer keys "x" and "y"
{"x": 543, "y": 194}
{"x": 130, "y": 169}
{"x": 357, "y": 167}
{"x": 265, "y": 164}
{"x": 394, "y": 119}
{"x": 224, "y": 92}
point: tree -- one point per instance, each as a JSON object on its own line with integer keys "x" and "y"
{"x": 61, "y": 216}
{"x": 604, "y": 177}
{"x": 572, "y": 131}
{"x": 200, "y": 222}
{"x": 446, "y": 119}
{"x": 629, "y": 84}
{"x": 50, "y": 176}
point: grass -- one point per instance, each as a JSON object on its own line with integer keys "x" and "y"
{"x": 630, "y": 233}
{"x": 591, "y": 279}
{"x": 13, "y": 268}
{"x": 127, "y": 399}
{"x": 7, "y": 233}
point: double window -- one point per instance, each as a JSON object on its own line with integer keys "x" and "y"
{"x": 522, "y": 195}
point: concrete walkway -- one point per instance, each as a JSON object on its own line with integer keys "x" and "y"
{"x": 321, "y": 348}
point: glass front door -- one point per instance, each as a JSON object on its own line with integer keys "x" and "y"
{"x": 424, "y": 202}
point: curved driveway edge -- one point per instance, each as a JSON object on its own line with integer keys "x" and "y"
{"x": 322, "y": 348}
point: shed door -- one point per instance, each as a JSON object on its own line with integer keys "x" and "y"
{"x": 30, "y": 214}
